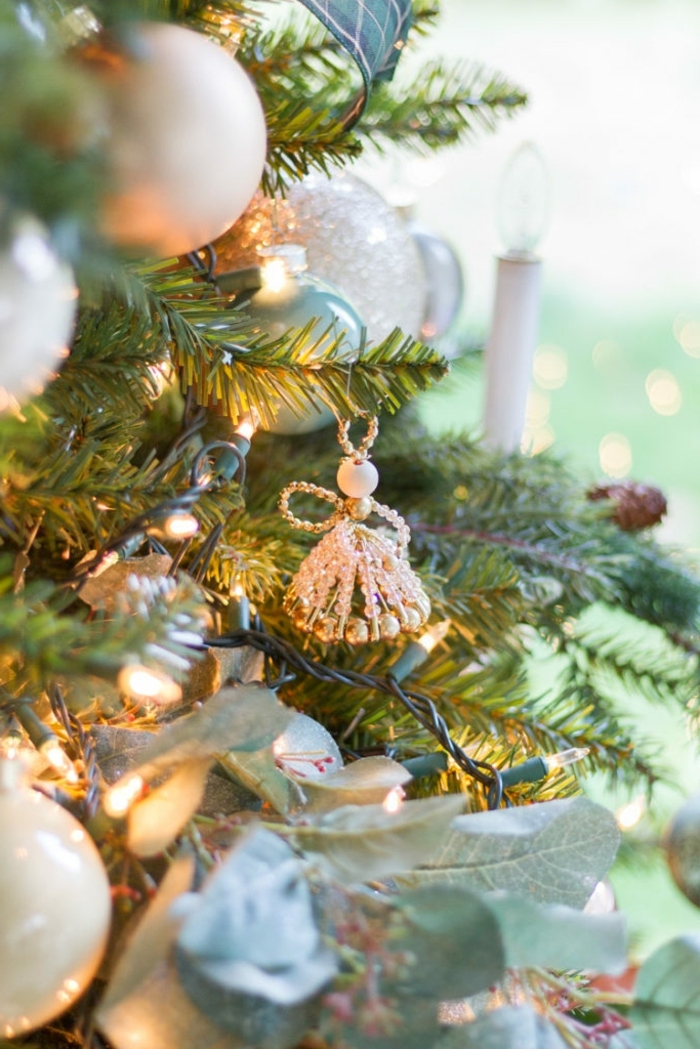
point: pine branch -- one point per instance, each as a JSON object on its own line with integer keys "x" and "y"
{"x": 38, "y": 643}
{"x": 229, "y": 364}
{"x": 445, "y": 105}
{"x": 302, "y": 139}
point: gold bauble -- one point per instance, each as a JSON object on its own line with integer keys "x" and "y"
{"x": 326, "y": 629}
{"x": 359, "y": 509}
{"x": 389, "y": 626}
{"x": 55, "y": 906}
{"x": 412, "y": 619}
{"x": 356, "y": 632}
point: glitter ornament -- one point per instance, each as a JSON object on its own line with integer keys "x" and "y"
{"x": 37, "y": 309}
{"x": 353, "y": 239}
{"x": 180, "y": 100}
{"x": 356, "y": 585}
{"x": 55, "y": 906}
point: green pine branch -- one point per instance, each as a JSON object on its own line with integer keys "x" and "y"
{"x": 39, "y": 643}
{"x": 445, "y": 105}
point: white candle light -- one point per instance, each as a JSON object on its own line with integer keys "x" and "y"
{"x": 522, "y": 215}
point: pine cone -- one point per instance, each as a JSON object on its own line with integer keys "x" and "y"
{"x": 637, "y": 506}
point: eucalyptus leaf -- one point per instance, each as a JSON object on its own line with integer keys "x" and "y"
{"x": 551, "y": 936}
{"x": 249, "y": 952}
{"x": 362, "y": 843}
{"x": 155, "y": 822}
{"x": 364, "y": 782}
{"x": 553, "y": 852}
{"x": 512, "y": 1027}
{"x": 241, "y": 718}
{"x": 144, "y": 1003}
{"x": 455, "y": 940}
{"x": 257, "y": 771}
{"x": 666, "y": 1010}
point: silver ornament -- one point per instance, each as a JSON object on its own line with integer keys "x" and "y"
{"x": 444, "y": 283}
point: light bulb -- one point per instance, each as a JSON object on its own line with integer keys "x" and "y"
{"x": 434, "y": 635}
{"x": 144, "y": 683}
{"x": 180, "y": 525}
{"x": 629, "y": 815}
{"x": 238, "y": 608}
{"x": 565, "y": 757}
{"x": 275, "y": 274}
{"x": 122, "y": 795}
{"x": 394, "y": 800}
{"x": 246, "y": 427}
{"x": 523, "y": 201}
{"x": 59, "y": 761}
{"x": 279, "y": 264}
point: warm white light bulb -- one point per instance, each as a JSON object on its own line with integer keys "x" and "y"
{"x": 434, "y": 635}
{"x": 144, "y": 683}
{"x": 246, "y": 428}
{"x": 181, "y": 525}
{"x": 274, "y": 274}
{"x": 120, "y": 797}
{"x": 59, "y": 761}
{"x": 629, "y": 815}
{"x": 565, "y": 757}
{"x": 523, "y": 201}
{"x": 394, "y": 800}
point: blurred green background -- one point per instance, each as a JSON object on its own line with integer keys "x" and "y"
{"x": 615, "y": 110}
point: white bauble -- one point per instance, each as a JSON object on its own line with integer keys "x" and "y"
{"x": 37, "y": 310}
{"x": 55, "y": 906}
{"x": 188, "y": 142}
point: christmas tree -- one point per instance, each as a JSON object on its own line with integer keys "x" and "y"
{"x": 274, "y": 771}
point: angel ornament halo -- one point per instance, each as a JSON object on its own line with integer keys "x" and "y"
{"x": 356, "y": 585}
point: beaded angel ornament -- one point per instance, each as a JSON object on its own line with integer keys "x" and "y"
{"x": 357, "y": 584}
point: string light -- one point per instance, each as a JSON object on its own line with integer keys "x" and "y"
{"x": 538, "y": 768}
{"x": 122, "y": 795}
{"x": 146, "y": 684}
{"x": 46, "y": 742}
{"x": 180, "y": 525}
{"x": 275, "y": 274}
{"x": 238, "y": 608}
{"x": 59, "y": 761}
{"x": 418, "y": 651}
{"x": 394, "y": 800}
{"x": 246, "y": 427}
{"x": 629, "y": 815}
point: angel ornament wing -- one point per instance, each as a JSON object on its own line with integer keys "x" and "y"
{"x": 356, "y": 585}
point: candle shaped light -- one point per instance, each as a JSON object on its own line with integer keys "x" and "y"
{"x": 523, "y": 205}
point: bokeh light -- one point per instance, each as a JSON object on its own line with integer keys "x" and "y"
{"x": 606, "y": 353}
{"x": 689, "y": 337}
{"x": 663, "y": 392}
{"x": 550, "y": 368}
{"x": 615, "y": 455}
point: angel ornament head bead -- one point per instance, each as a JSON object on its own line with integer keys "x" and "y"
{"x": 356, "y": 585}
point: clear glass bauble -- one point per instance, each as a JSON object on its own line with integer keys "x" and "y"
{"x": 353, "y": 238}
